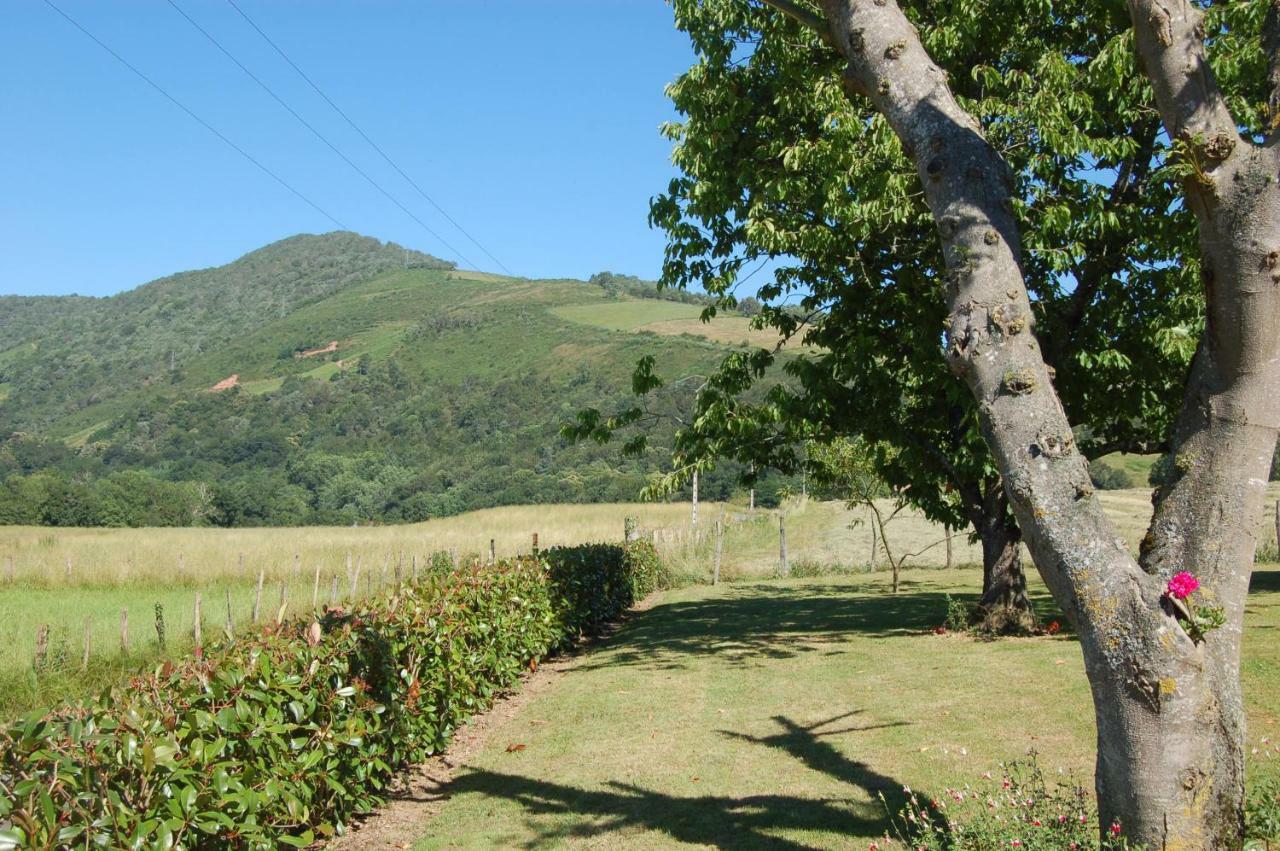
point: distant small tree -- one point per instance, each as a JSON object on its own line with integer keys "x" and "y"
{"x": 850, "y": 468}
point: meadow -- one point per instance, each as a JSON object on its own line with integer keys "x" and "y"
{"x": 77, "y": 582}
{"x": 82, "y": 584}
{"x": 776, "y": 714}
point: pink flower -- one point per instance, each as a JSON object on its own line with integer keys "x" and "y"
{"x": 1115, "y": 825}
{"x": 1182, "y": 584}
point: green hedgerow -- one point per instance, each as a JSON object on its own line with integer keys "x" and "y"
{"x": 283, "y": 738}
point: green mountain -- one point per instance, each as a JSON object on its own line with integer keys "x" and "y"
{"x": 327, "y": 379}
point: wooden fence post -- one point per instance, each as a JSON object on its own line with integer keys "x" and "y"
{"x": 124, "y": 630}
{"x": 414, "y": 574}
{"x": 355, "y": 578}
{"x": 333, "y": 592}
{"x": 315, "y": 590}
{"x": 161, "y": 640}
{"x": 42, "y": 647}
{"x": 284, "y": 602}
{"x": 231, "y": 624}
{"x": 535, "y": 544}
{"x": 1277, "y": 536}
{"x": 399, "y": 569}
{"x": 715, "y": 575}
{"x": 195, "y": 630}
{"x": 88, "y": 636}
{"x": 493, "y": 552}
{"x": 693, "y": 520}
{"x": 13, "y": 571}
{"x": 782, "y": 545}
{"x": 948, "y": 531}
{"x": 257, "y": 596}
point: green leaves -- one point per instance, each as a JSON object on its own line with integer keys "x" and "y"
{"x": 778, "y": 166}
{"x": 273, "y": 741}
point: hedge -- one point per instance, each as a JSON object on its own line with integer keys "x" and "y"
{"x": 280, "y": 739}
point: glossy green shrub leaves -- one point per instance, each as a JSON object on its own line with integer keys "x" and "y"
{"x": 278, "y": 741}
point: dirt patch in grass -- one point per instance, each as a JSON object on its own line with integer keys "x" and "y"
{"x": 421, "y": 792}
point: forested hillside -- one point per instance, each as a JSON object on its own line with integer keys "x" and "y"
{"x": 357, "y": 382}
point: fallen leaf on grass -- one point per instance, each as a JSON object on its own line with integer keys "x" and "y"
{"x": 515, "y": 748}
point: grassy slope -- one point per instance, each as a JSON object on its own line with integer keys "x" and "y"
{"x": 669, "y": 319}
{"x": 517, "y": 329}
{"x": 1137, "y": 466}
{"x": 73, "y": 354}
{"x": 772, "y": 715}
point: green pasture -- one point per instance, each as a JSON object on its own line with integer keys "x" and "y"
{"x": 774, "y": 714}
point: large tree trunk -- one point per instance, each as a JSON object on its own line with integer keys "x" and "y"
{"x": 1004, "y": 607}
{"x": 1170, "y": 723}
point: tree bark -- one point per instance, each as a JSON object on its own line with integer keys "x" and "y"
{"x": 1168, "y": 709}
{"x": 1004, "y": 607}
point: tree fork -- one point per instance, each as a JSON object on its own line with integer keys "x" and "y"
{"x": 1168, "y": 745}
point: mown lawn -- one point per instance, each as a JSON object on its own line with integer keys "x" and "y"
{"x": 775, "y": 713}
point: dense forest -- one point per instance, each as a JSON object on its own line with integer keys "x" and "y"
{"x": 443, "y": 392}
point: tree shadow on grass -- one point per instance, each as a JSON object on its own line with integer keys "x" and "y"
{"x": 720, "y": 821}
{"x": 1264, "y": 581}
{"x": 763, "y": 621}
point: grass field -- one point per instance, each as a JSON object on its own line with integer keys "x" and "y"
{"x": 1137, "y": 466}
{"x": 667, "y": 318}
{"x": 772, "y": 714}
{"x": 134, "y": 570}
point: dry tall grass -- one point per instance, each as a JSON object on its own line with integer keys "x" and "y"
{"x": 194, "y": 557}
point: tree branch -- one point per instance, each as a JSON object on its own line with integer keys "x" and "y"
{"x": 968, "y": 188}
{"x": 805, "y": 17}
{"x": 1170, "y": 42}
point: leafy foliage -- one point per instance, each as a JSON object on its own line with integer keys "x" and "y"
{"x": 781, "y": 170}
{"x": 1023, "y": 811}
{"x": 283, "y": 738}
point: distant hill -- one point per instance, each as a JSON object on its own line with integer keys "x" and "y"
{"x": 357, "y": 381}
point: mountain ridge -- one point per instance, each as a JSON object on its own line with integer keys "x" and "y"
{"x": 444, "y": 391}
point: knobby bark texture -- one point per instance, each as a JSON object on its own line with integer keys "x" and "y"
{"x": 1169, "y": 716}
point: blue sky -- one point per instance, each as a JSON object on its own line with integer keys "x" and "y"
{"x": 534, "y": 124}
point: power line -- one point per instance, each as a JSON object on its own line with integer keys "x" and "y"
{"x": 372, "y": 143}
{"x": 239, "y": 150}
{"x": 318, "y": 134}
